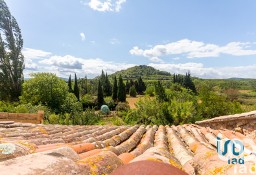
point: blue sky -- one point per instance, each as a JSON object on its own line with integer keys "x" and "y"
{"x": 211, "y": 39}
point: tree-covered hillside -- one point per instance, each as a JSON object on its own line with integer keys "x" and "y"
{"x": 143, "y": 71}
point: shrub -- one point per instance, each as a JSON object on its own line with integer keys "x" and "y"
{"x": 133, "y": 92}
{"x": 54, "y": 119}
{"x": 149, "y": 111}
{"x": 110, "y": 103}
{"x": 150, "y": 91}
{"x": 122, "y": 107}
{"x": 89, "y": 117}
{"x": 71, "y": 104}
{"x": 88, "y": 101}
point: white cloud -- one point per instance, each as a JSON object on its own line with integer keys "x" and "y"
{"x": 66, "y": 61}
{"x": 199, "y": 70}
{"x": 106, "y": 5}
{"x": 82, "y": 35}
{"x": 156, "y": 59}
{"x": 35, "y": 54}
{"x": 64, "y": 65}
{"x": 195, "y": 49}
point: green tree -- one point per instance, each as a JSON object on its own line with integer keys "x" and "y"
{"x": 141, "y": 86}
{"x": 121, "y": 95}
{"x": 100, "y": 98}
{"x": 127, "y": 86}
{"x": 71, "y": 104}
{"x": 76, "y": 89}
{"x": 84, "y": 86}
{"x": 114, "y": 94}
{"x": 11, "y": 58}
{"x": 107, "y": 89}
{"x": 188, "y": 83}
{"x": 133, "y": 92}
{"x": 150, "y": 91}
{"x": 160, "y": 92}
{"x": 45, "y": 88}
{"x": 70, "y": 84}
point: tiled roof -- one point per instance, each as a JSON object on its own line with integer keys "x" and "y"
{"x": 57, "y": 149}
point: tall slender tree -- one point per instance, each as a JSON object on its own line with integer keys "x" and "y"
{"x": 100, "y": 94}
{"x": 70, "y": 89}
{"x": 107, "y": 89}
{"x": 114, "y": 94}
{"x": 76, "y": 89}
{"x": 11, "y": 58}
{"x": 121, "y": 95}
{"x": 127, "y": 86}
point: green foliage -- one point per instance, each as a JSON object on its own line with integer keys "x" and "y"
{"x": 71, "y": 104}
{"x": 122, "y": 107}
{"x": 146, "y": 72}
{"x": 70, "y": 84}
{"x": 149, "y": 111}
{"x": 100, "y": 98}
{"x": 46, "y": 89}
{"x": 211, "y": 104}
{"x": 114, "y": 95}
{"x": 107, "y": 88}
{"x": 127, "y": 86}
{"x": 54, "y": 119}
{"x": 150, "y": 91}
{"x": 105, "y": 109}
{"x": 133, "y": 92}
{"x": 76, "y": 89}
{"x": 140, "y": 86}
{"x": 160, "y": 92}
{"x": 11, "y": 58}
{"x": 121, "y": 95}
{"x": 88, "y": 101}
{"x": 84, "y": 85}
{"x": 89, "y": 117}
{"x": 110, "y": 103}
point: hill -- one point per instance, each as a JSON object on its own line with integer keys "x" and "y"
{"x": 146, "y": 72}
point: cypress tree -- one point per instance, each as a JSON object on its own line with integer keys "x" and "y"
{"x": 127, "y": 86}
{"x": 133, "y": 92}
{"x": 114, "y": 94}
{"x": 84, "y": 86}
{"x": 70, "y": 84}
{"x": 100, "y": 94}
{"x": 107, "y": 89}
{"x": 121, "y": 95}
{"x": 188, "y": 83}
{"x": 76, "y": 89}
{"x": 141, "y": 86}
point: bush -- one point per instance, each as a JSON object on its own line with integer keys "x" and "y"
{"x": 133, "y": 92}
{"x": 110, "y": 103}
{"x": 71, "y": 104}
{"x": 88, "y": 101}
{"x": 54, "y": 119}
{"x": 150, "y": 91}
{"x": 122, "y": 106}
{"x": 149, "y": 111}
{"x": 89, "y": 117}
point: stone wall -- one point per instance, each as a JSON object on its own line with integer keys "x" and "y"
{"x": 23, "y": 117}
{"x": 243, "y": 123}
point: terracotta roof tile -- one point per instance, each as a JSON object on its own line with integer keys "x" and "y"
{"x": 56, "y": 149}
